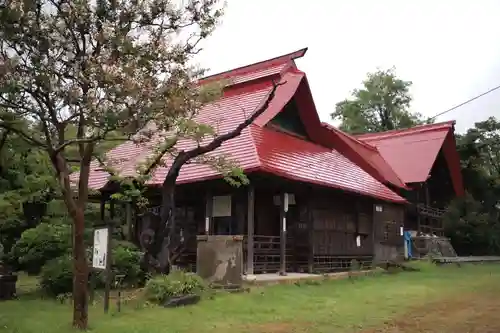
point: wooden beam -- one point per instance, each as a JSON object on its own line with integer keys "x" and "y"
{"x": 250, "y": 228}
{"x": 283, "y": 226}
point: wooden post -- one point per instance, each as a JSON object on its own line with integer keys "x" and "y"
{"x": 128, "y": 219}
{"x": 208, "y": 213}
{"x": 107, "y": 287}
{"x": 283, "y": 210}
{"x": 250, "y": 229}
{"x": 310, "y": 227}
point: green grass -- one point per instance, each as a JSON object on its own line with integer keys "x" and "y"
{"x": 333, "y": 306}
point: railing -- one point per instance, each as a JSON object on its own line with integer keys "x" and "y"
{"x": 267, "y": 253}
{"x": 430, "y": 211}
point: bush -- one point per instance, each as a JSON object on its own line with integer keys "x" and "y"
{"x": 57, "y": 276}
{"x": 41, "y": 244}
{"x": 178, "y": 283}
{"x": 126, "y": 259}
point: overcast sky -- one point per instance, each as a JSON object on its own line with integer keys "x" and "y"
{"x": 450, "y": 49}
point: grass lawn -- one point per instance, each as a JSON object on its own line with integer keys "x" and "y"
{"x": 428, "y": 301}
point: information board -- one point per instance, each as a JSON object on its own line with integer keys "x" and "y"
{"x": 100, "y": 251}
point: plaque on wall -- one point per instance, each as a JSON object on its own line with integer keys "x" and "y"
{"x": 221, "y": 206}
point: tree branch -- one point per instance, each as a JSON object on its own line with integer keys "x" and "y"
{"x": 220, "y": 139}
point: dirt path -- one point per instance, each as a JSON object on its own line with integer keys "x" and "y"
{"x": 471, "y": 313}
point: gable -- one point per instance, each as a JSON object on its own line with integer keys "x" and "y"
{"x": 412, "y": 152}
{"x": 289, "y": 121}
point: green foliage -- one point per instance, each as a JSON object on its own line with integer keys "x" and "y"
{"x": 178, "y": 283}
{"x": 382, "y": 104}
{"x": 126, "y": 258}
{"x": 57, "y": 276}
{"x": 26, "y": 182}
{"x": 126, "y": 261}
{"x": 473, "y": 222}
{"x": 41, "y": 244}
{"x": 472, "y": 227}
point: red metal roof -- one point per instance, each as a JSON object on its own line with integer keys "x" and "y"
{"x": 368, "y": 156}
{"x": 301, "y": 160}
{"x": 412, "y": 152}
{"x": 259, "y": 147}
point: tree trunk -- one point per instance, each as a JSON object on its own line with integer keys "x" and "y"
{"x": 80, "y": 273}
{"x": 80, "y": 267}
{"x": 159, "y": 252}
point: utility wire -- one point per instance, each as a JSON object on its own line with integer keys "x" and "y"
{"x": 466, "y": 102}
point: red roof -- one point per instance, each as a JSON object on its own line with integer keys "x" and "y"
{"x": 367, "y": 156}
{"x": 412, "y": 152}
{"x": 260, "y": 147}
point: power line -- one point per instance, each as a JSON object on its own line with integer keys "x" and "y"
{"x": 466, "y": 102}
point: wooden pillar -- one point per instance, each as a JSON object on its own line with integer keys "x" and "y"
{"x": 250, "y": 228}
{"x": 283, "y": 210}
{"x": 310, "y": 230}
{"x": 102, "y": 208}
{"x": 208, "y": 213}
{"x": 128, "y": 221}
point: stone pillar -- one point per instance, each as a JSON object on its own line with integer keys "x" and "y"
{"x": 220, "y": 259}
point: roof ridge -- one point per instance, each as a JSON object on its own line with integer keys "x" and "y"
{"x": 251, "y": 128}
{"x": 405, "y": 131}
{"x": 351, "y": 137}
{"x": 256, "y": 65}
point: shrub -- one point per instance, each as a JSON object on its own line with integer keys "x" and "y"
{"x": 57, "y": 276}
{"x": 41, "y": 244}
{"x": 161, "y": 288}
{"x": 126, "y": 259}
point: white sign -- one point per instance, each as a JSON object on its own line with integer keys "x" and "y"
{"x": 285, "y": 202}
{"x": 358, "y": 241}
{"x": 284, "y": 224}
{"x": 401, "y": 230}
{"x": 378, "y": 208}
{"x": 207, "y": 224}
{"x": 100, "y": 251}
{"x": 221, "y": 206}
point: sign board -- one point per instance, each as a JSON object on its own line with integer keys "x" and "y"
{"x": 378, "y": 208}
{"x": 100, "y": 250}
{"x": 221, "y": 206}
{"x": 285, "y": 202}
{"x": 358, "y": 241}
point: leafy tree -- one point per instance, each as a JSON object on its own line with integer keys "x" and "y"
{"x": 104, "y": 68}
{"x": 382, "y": 104}
{"x": 473, "y": 223}
{"x": 26, "y": 183}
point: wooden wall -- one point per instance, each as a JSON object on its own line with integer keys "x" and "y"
{"x": 322, "y": 225}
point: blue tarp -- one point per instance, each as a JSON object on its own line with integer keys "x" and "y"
{"x": 407, "y": 237}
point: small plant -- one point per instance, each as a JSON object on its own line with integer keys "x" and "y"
{"x": 355, "y": 265}
{"x": 161, "y": 288}
{"x": 57, "y": 276}
{"x": 63, "y": 298}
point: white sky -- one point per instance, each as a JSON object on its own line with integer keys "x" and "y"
{"x": 449, "y": 48}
